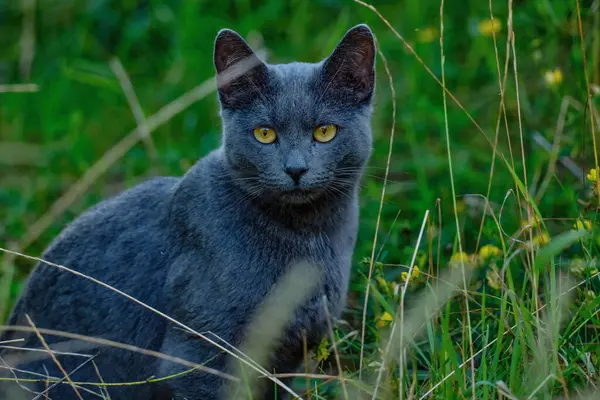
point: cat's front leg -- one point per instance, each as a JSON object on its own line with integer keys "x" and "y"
{"x": 182, "y": 382}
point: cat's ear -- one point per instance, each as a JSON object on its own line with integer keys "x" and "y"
{"x": 351, "y": 66}
{"x": 240, "y": 73}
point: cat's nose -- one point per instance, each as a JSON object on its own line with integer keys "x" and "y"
{"x": 296, "y": 173}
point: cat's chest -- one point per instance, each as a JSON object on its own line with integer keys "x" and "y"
{"x": 243, "y": 264}
{"x": 266, "y": 254}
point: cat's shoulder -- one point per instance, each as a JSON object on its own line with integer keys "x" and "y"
{"x": 139, "y": 200}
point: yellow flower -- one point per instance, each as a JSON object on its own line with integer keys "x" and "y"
{"x": 590, "y": 295}
{"x": 593, "y": 175}
{"x": 384, "y": 320}
{"x": 493, "y": 278}
{"x": 404, "y": 277}
{"x": 577, "y": 267}
{"x": 489, "y": 250}
{"x": 553, "y": 78}
{"x": 583, "y": 224}
{"x": 541, "y": 239}
{"x": 487, "y": 27}
{"x": 322, "y": 352}
{"x": 427, "y": 35}
{"x": 460, "y": 256}
{"x": 413, "y": 275}
{"x": 415, "y": 272}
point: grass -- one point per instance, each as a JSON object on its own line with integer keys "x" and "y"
{"x": 478, "y": 243}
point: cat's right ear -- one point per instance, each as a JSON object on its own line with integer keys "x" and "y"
{"x": 351, "y": 67}
{"x": 240, "y": 73}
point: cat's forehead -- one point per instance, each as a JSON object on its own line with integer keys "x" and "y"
{"x": 293, "y": 87}
{"x": 294, "y": 72}
{"x": 294, "y": 78}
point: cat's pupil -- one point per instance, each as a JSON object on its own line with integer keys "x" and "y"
{"x": 324, "y": 129}
{"x": 265, "y": 132}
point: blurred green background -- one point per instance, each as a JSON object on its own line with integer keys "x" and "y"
{"x": 51, "y": 136}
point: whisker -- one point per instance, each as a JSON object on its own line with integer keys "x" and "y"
{"x": 337, "y": 190}
{"x": 357, "y": 169}
{"x": 374, "y": 177}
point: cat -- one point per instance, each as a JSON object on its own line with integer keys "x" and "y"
{"x": 208, "y": 248}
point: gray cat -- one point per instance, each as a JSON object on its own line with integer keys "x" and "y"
{"x": 208, "y": 248}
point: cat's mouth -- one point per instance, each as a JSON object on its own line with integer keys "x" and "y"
{"x": 300, "y": 195}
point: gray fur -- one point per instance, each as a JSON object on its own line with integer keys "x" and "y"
{"x": 208, "y": 247}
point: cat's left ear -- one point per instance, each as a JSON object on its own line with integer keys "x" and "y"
{"x": 351, "y": 66}
{"x": 240, "y": 73}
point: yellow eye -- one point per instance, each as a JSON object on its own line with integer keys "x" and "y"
{"x": 265, "y": 135}
{"x": 325, "y": 133}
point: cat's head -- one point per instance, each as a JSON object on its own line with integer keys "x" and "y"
{"x": 294, "y": 132}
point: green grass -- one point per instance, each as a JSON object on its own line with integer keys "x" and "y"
{"x": 525, "y": 325}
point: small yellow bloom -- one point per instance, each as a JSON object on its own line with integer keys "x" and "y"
{"x": 427, "y": 35}
{"x": 487, "y": 27}
{"x": 384, "y": 320}
{"x": 577, "y": 267}
{"x": 415, "y": 272}
{"x": 583, "y": 224}
{"x": 590, "y": 295}
{"x": 413, "y": 275}
{"x": 404, "y": 277}
{"x": 322, "y": 351}
{"x": 541, "y": 240}
{"x": 488, "y": 251}
{"x": 580, "y": 267}
{"x": 593, "y": 175}
{"x": 493, "y": 279}
{"x": 460, "y": 256}
{"x": 553, "y": 78}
